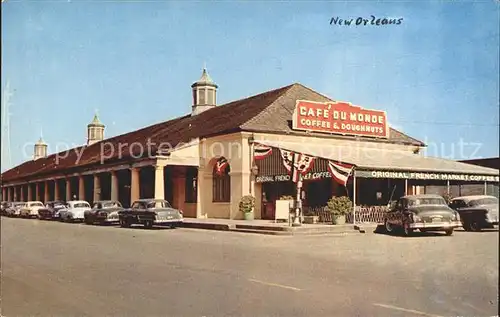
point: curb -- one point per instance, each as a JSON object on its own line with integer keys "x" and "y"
{"x": 271, "y": 230}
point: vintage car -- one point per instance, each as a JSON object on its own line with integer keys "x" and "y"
{"x": 4, "y": 206}
{"x": 103, "y": 212}
{"x": 476, "y": 212}
{"x": 51, "y": 210}
{"x": 149, "y": 212}
{"x": 15, "y": 209}
{"x": 422, "y": 212}
{"x": 30, "y": 209}
{"x": 74, "y": 211}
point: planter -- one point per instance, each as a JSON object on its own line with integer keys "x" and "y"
{"x": 311, "y": 219}
{"x": 338, "y": 220}
{"x": 248, "y": 215}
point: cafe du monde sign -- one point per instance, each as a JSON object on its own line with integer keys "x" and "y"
{"x": 339, "y": 118}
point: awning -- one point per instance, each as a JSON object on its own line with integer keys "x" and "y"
{"x": 386, "y": 163}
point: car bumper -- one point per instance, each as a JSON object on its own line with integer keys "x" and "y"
{"x": 435, "y": 225}
{"x": 108, "y": 220}
{"x": 168, "y": 221}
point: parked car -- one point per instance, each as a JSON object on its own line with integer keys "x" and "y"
{"x": 103, "y": 212}
{"x": 148, "y": 212}
{"x": 4, "y": 206}
{"x": 74, "y": 211}
{"x": 15, "y": 209}
{"x": 51, "y": 210}
{"x": 423, "y": 212}
{"x": 476, "y": 212}
{"x": 30, "y": 209}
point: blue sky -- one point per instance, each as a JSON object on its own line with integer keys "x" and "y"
{"x": 436, "y": 74}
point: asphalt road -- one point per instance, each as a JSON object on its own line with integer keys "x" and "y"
{"x": 56, "y": 269}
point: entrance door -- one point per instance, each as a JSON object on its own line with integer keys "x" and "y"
{"x": 272, "y": 192}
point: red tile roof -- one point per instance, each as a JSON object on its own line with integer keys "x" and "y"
{"x": 266, "y": 112}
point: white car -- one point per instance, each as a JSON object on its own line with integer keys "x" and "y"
{"x": 30, "y": 209}
{"x": 74, "y": 211}
{"x": 15, "y": 209}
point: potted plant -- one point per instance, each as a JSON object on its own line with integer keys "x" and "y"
{"x": 339, "y": 207}
{"x": 247, "y": 204}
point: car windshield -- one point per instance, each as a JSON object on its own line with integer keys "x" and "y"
{"x": 426, "y": 201}
{"x": 81, "y": 205}
{"x": 111, "y": 204}
{"x": 159, "y": 204}
{"x": 484, "y": 201}
{"x": 36, "y": 205}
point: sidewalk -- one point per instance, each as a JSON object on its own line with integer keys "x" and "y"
{"x": 268, "y": 227}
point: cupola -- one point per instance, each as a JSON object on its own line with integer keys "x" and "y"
{"x": 204, "y": 94}
{"x": 95, "y": 131}
{"x": 40, "y": 149}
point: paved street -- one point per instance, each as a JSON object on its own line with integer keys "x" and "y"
{"x": 56, "y": 269}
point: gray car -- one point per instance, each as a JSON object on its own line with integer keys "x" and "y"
{"x": 422, "y": 212}
{"x": 148, "y": 212}
{"x": 476, "y": 212}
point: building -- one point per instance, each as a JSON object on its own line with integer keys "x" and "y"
{"x": 491, "y": 162}
{"x": 205, "y": 161}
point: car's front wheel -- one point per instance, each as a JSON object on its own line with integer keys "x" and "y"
{"x": 124, "y": 223}
{"x": 148, "y": 224}
{"x": 448, "y": 232}
{"x": 388, "y": 226}
{"x": 474, "y": 226}
{"x": 87, "y": 220}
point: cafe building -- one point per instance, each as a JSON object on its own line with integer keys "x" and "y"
{"x": 290, "y": 141}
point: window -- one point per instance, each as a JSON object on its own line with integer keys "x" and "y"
{"x": 457, "y": 203}
{"x": 138, "y": 205}
{"x": 484, "y": 201}
{"x": 210, "y": 97}
{"x": 191, "y": 191}
{"x": 159, "y": 204}
{"x": 81, "y": 205}
{"x": 201, "y": 97}
{"x": 221, "y": 185}
{"x": 195, "y": 102}
{"x": 112, "y": 204}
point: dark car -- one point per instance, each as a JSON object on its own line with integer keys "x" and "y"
{"x": 4, "y": 206}
{"x": 148, "y": 212}
{"x": 476, "y": 212}
{"x": 51, "y": 210}
{"x": 103, "y": 212}
{"x": 423, "y": 212}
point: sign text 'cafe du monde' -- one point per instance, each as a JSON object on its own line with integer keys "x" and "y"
{"x": 341, "y": 118}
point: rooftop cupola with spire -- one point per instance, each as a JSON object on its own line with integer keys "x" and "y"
{"x": 40, "y": 149}
{"x": 204, "y": 94}
{"x": 95, "y": 131}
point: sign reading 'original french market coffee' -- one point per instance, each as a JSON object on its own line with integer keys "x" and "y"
{"x": 427, "y": 176}
{"x": 286, "y": 177}
{"x": 339, "y": 118}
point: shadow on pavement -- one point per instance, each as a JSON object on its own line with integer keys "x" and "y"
{"x": 380, "y": 229}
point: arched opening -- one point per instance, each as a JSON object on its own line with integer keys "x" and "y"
{"x": 221, "y": 181}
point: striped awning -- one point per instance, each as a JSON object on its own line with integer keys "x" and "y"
{"x": 370, "y": 159}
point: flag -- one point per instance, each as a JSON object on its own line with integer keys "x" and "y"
{"x": 305, "y": 163}
{"x": 221, "y": 165}
{"x": 287, "y": 157}
{"x": 296, "y": 163}
{"x": 261, "y": 151}
{"x": 340, "y": 171}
